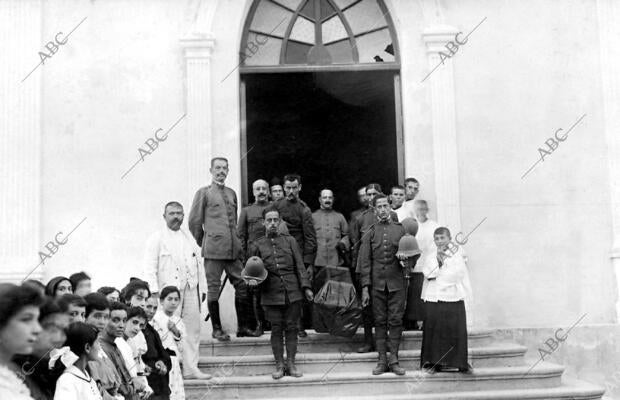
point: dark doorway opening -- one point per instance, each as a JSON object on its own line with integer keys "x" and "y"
{"x": 338, "y": 130}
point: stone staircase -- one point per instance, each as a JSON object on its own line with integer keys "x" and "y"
{"x": 332, "y": 369}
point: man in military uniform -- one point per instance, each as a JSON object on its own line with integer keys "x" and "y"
{"x": 282, "y": 291}
{"x": 381, "y": 270}
{"x": 363, "y": 200}
{"x": 299, "y": 222}
{"x": 332, "y": 235}
{"x": 250, "y": 228}
{"x": 213, "y": 223}
{"x": 359, "y": 227}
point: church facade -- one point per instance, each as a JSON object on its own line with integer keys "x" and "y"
{"x": 505, "y": 112}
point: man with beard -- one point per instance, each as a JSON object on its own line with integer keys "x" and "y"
{"x": 285, "y": 286}
{"x": 213, "y": 223}
{"x": 172, "y": 259}
{"x": 360, "y": 227}
{"x": 332, "y": 239}
{"x": 381, "y": 270}
{"x": 299, "y": 222}
{"x": 250, "y": 228}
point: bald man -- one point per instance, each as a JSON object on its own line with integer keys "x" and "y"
{"x": 251, "y": 228}
{"x": 332, "y": 237}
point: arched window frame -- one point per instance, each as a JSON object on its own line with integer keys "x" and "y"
{"x": 355, "y": 65}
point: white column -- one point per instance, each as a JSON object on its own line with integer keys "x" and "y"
{"x": 609, "y": 31}
{"x": 445, "y": 149}
{"x": 20, "y": 151}
{"x": 198, "y": 51}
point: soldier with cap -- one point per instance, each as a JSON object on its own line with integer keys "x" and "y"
{"x": 282, "y": 289}
{"x": 381, "y": 270}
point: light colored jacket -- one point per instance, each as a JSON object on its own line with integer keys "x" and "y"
{"x": 162, "y": 268}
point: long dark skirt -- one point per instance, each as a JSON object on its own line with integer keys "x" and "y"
{"x": 415, "y": 310}
{"x": 444, "y": 342}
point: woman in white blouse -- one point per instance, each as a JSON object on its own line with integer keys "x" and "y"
{"x": 19, "y": 328}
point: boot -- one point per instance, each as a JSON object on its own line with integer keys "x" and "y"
{"x": 277, "y": 346}
{"x": 394, "y": 365}
{"x": 258, "y": 332}
{"x": 214, "y": 312}
{"x": 301, "y": 332}
{"x": 382, "y": 365}
{"x": 394, "y": 341}
{"x": 369, "y": 344}
{"x": 291, "y": 351}
{"x": 242, "y": 317}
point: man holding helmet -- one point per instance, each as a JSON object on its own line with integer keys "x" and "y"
{"x": 283, "y": 286}
{"x": 381, "y": 269}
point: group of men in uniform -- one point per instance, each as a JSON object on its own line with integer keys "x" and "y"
{"x": 296, "y": 247}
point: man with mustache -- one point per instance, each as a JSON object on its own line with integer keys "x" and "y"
{"x": 213, "y": 223}
{"x": 172, "y": 258}
{"x": 332, "y": 238}
{"x": 299, "y": 222}
{"x": 251, "y": 228}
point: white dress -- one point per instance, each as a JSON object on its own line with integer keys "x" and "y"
{"x": 11, "y": 386}
{"x": 74, "y": 384}
{"x": 169, "y": 341}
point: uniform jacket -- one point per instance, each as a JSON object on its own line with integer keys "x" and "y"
{"x": 286, "y": 273}
{"x": 299, "y": 222}
{"x": 213, "y": 222}
{"x": 331, "y": 228}
{"x": 251, "y": 226}
{"x": 163, "y": 268}
{"x": 378, "y": 263}
{"x": 360, "y": 226}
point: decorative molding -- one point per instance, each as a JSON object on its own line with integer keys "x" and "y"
{"x": 198, "y": 106}
{"x": 609, "y": 30}
{"x": 445, "y": 149}
{"x": 20, "y": 154}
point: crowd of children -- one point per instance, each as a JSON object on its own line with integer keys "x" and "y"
{"x": 61, "y": 341}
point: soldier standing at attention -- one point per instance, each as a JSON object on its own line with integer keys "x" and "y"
{"x": 213, "y": 223}
{"x": 299, "y": 222}
{"x": 285, "y": 285}
{"x": 358, "y": 228}
{"x": 381, "y": 270}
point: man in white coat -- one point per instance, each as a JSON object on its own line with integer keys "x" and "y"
{"x": 172, "y": 258}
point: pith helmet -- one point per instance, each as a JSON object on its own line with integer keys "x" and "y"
{"x": 410, "y": 225}
{"x": 254, "y": 269}
{"x": 408, "y": 246}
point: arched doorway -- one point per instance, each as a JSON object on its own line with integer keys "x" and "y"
{"x": 320, "y": 96}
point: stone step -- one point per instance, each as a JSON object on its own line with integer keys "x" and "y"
{"x": 573, "y": 390}
{"x": 495, "y": 355}
{"x": 545, "y": 375}
{"x": 323, "y": 343}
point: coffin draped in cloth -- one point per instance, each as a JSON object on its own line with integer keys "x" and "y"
{"x": 336, "y": 308}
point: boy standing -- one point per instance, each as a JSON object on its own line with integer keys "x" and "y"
{"x": 444, "y": 343}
